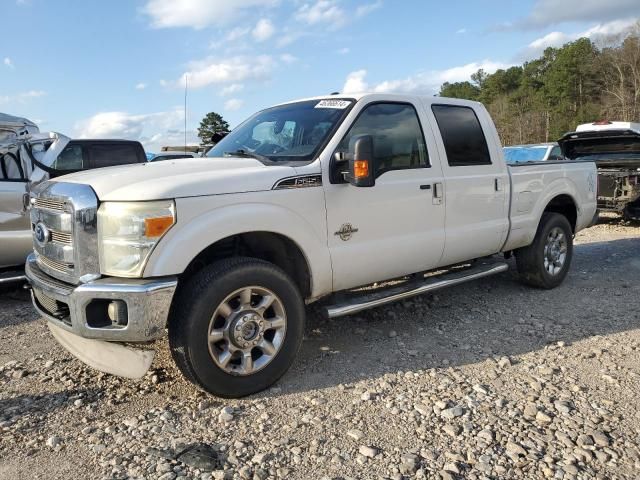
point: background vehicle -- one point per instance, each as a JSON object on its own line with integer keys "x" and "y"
{"x": 537, "y": 152}
{"x": 305, "y": 201}
{"x": 31, "y": 158}
{"x": 615, "y": 148}
{"x": 158, "y": 157}
{"x": 12, "y": 128}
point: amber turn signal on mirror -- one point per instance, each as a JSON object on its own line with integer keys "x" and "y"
{"x": 361, "y": 168}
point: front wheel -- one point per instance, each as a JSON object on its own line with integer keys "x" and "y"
{"x": 236, "y": 326}
{"x": 545, "y": 263}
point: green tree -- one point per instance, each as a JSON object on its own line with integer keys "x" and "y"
{"x": 465, "y": 90}
{"x": 210, "y": 124}
{"x": 547, "y": 96}
{"x": 479, "y": 77}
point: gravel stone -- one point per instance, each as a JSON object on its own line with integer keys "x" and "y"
{"x": 454, "y": 412}
{"x": 486, "y": 380}
{"x": 368, "y": 451}
{"x": 54, "y": 441}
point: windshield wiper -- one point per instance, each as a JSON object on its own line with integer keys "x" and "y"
{"x": 244, "y": 153}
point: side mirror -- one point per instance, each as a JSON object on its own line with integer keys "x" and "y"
{"x": 361, "y": 162}
{"x": 216, "y": 137}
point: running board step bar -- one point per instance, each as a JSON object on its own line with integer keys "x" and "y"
{"x": 392, "y": 294}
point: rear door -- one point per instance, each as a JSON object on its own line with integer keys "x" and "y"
{"x": 476, "y": 182}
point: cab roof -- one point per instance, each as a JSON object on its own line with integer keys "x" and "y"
{"x": 386, "y": 96}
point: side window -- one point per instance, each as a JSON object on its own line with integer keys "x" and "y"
{"x": 398, "y": 141}
{"x": 110, "y": 154}
{"x": 70, "y": 158}
{"x": 462, "y": 135}
{"x": 555, "y": 154}
{"x": 11, "y": 166}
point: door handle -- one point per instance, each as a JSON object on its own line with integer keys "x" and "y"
{"x": 497, "y": 184}
{"x": 425, "y": 187}
{"x": 437, "y": 193}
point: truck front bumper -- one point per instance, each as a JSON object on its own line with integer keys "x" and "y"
{"x": 84, "y": 309}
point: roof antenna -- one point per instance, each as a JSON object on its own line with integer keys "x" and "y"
{"x": 186, "y": 78}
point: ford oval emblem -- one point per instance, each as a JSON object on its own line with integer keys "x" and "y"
{"x": 41, "y": 234}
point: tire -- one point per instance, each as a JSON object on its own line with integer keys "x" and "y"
{"x": 531, "y": 259}
{"x": 211, "y": 302}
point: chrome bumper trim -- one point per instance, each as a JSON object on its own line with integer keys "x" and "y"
{"x": 148, "y": 302}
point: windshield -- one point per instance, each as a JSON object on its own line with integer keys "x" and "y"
{"x": 525, "y": 154}
{"x": 288, "y": 133}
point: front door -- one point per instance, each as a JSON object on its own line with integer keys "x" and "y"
{"x": 395, "y": 227}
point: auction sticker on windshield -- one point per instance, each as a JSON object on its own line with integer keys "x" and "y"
{"x": 340, "y": 104}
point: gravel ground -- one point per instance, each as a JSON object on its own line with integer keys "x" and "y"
{"x": 486, "y": 380}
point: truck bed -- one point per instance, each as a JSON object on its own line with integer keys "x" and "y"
{"x": 535, "y": 184}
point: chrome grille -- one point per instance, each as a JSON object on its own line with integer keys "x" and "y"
{"x": 64, "y": 222}
{"x": 55, "y": 265}
{"x": 53, "y": 307}
{"x": 63, "y": 238}
{"x": 50, "y": 304}
{"x": 34, "y": 270}
{"x": 49, "y": 204}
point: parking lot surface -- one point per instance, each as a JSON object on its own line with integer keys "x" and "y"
{"x": 489, "y": 379}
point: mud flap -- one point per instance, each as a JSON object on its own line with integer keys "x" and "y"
{"x": 108, "y": 357}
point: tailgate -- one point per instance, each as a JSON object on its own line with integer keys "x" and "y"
{"x": 610, "y": 148}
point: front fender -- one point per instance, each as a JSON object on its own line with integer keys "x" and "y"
{"x": 196, "y": 230}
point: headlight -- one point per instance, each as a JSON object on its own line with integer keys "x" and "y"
{"x": 127, "y": 233}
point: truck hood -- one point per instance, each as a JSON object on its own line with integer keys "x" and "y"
{"x": 608, "y": 148}
{"x": 180, "y": 178}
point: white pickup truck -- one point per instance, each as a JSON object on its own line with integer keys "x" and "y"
{"x": 306, "y": 201}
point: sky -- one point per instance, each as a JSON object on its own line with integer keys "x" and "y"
{"x": 117, "y": 69}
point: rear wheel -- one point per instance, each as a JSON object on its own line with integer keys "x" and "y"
{"x": 236, "y": 326}
{"x": 546, "y": 261}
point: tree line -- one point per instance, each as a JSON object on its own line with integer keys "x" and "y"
{"x": 544, "y": 98}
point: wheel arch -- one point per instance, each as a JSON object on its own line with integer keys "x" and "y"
{"x": 272, "y": 247}
{"x": 267, "y": 231}
{"x": 564, "y": 204}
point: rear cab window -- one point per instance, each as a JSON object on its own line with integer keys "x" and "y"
{"x": 462, "y": 135}
{"x": 111, "y": 154}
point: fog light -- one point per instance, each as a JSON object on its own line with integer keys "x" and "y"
{"x": 117, "y": 311}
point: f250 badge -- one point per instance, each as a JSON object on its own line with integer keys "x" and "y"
{"x": 346, "y": 232}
